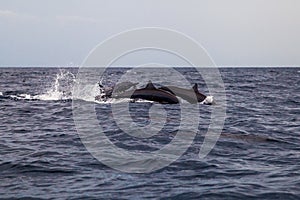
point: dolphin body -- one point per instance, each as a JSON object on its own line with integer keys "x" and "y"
{"x": 118, "y": 88}
{"x": 166, "y": 94}
{"x": 191, "y": 95}
{"x": 123, "y": 86}
{"x": 151, "y": 93}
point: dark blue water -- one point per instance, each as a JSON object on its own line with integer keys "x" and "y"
{"x": 257, "y": 155}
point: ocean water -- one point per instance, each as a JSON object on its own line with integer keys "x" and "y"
{"x": 256, "y": 157}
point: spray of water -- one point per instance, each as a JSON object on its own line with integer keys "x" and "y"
{"x": 61, "y": 88}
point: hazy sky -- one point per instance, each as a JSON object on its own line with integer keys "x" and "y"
{"x": 234, "y": 32}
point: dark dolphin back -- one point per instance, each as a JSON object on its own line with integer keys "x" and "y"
{"x": 166, "y": 89}
{"x": 150, "y": 86}
{"x": 149, "y": 92}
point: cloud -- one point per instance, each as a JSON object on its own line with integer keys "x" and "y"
{"x": 11, "y": 15}
{"x": 8, "y": 14}
{"x": 75, "y": 19}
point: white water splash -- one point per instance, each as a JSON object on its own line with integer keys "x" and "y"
{"x": 61, "y": 88}
{"x": 121, "y": 100}
{"x": 87, "y": 93}
{"x": 208, "y": 100}
{"x": 21, "y": 97}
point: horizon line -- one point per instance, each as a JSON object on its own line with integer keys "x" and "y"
{"x": 128, "y": 66}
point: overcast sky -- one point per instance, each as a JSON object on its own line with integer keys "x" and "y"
{"x": 234, "y": 32}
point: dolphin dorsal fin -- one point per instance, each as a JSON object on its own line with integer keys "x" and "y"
{"x": 150, "y": 86}
{"x": 195, "y": 87}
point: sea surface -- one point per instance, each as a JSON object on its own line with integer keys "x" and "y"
{"x": 257, "y": 155}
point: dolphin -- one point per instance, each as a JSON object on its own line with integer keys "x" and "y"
{"x": 151, "y": 93}
{"x": 123, "y": 86}
{"x": 191, "y": 95}
{"x": 106, "y": 92}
